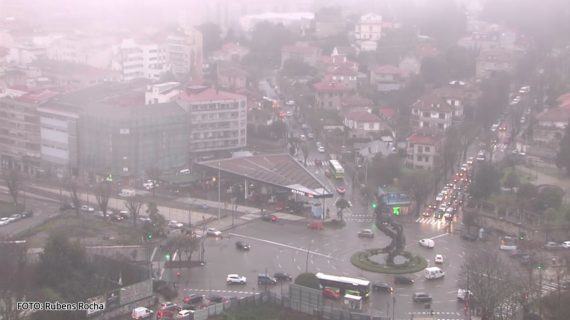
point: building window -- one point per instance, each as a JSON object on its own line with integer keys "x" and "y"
{"x": 420, "y": 148}
{"x": 426, "y": 149}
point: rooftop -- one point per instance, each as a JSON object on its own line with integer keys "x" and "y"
{"x": 276, "y": 169}
{"x": 558, "y": 114}
{"x": 432, "y": 102}
{"x": 421, "y": 138}
{"x": 387, "y": 69}
{"x": 209, "y": 94}
{"x": 329, "y": 86}
{"x": 362, "y": 116}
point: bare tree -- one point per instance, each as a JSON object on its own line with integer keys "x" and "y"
{"x": 72, "y": 186}
{"x": 13, "y": 181}
{"x": 102, "y": 194}
{"x": 496, "y": 291}
{"x": 184, "y": 244}
{"x": 134, "y": 205}
{"x": 305, "y": 150}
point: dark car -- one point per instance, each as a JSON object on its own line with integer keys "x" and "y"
{"x": 66, "y": 206}
{"x": 242, "y": 246}
{"x": 282, "y": 276}
{"x": 265, "y": 279}
{"x": 403, "y": 280}
{"x": 468, "y": 236}
{"x": 193, "y": 299}
{"x": 382, "y": 287}
{"x": 421, "y": 297}
{"x": 216, "y": 298}
{"x": 269, "y": 217}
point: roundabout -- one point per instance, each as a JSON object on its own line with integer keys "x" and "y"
{"x": 391, "y": 259}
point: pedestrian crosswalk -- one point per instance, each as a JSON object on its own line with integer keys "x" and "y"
{"x": 250, "y": 216}
{"x": 358, "y": 219}
{"x": 548, "y": 287}
{"x": 437, "y": 315}
{"x": 220, "y": 291}
{"x": 431, "y": 220}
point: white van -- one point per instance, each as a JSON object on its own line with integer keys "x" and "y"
{"x": 141, "y": 313}
{"x": 433, "y": 273}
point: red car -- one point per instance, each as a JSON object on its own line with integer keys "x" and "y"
{"x": 331, "y": 293}
{"x": 341, "y": 190}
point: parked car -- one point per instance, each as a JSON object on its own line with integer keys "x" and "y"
{"x": 236, "y": 279}
{"x": 27, "y": 214}
{"x": 282, "y": 276}
{"x": 382, "y": 287}
{"x": 565, "y": 244}
{"x": 240, "y": 245}
{"x": 366, "y": 233}
{"x": 462, "y": 294}
{"x": 16, "y": 217}
{"x": 269, "y": 217}
{"x": 213, "y": 232}
{"x": 421, "y": 297}
{"x": 193, "y": 299}
{"x": 331, "y": 293}
{"x": 264, "y": 279}
{"x": 184, "y": 314}
{"x": 175, "y": 224}
{"x": 215, "y": 298}
{"x": 403, "y": 280}
{"x": 427, "y": 243}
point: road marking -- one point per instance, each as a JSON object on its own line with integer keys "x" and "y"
{"x": 298, "y": 249}
{"x": 439, "y": 236}
{"x": 221, "y": 291}
{"x": 153, "y": 253}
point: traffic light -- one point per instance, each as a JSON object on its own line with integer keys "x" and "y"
{"x": 149, "y": 236}
{"x": 374, "y": 205}
{"x": 540, "y": 266}
{"x": 167, "y": 256}
{"x": 522, "y": 236}
{"x": 396, "y": 211}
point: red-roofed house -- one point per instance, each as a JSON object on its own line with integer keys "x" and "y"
{"x": 301, "y": 52}
{"x": 564, "y": 101}
{"x": 387, "y": 113}
{"x": 432, "y": 111}
{"x": 329, "y": 94}
{"x": 231, "y": 77}
{"x": 423, "y": 150}
{"x": 386, "y": 78}
{"x": 362, "y": 122}
{"x": 344, "y": 74}
{"x": 356, "y": 101}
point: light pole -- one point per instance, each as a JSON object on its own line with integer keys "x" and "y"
{"x": 307, "y": 259}
{"x": 219, "y": 192}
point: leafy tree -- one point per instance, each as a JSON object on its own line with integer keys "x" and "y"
{"x": 549, "y": 197}
{"x": 526, "y": 198}
{"x": 13, "y": 180}
{"x": 434, "y": 70}
{"x": 305, "y": 150}
{"x": 383, "y": 171}
{"x": 185, "y": 244}
{"x": 418, "y": 183}
{"x": 511, "y": 179}
{"x": 308, "y": 279}
{"x": 133, "y": 205}
{"x": 15, "y": 279}
{"x": 295, "y": 68}
{"x": 158, "y": 222}
{"x": 486, "y": 182}
{"x": 211, "y": 33}
{"x": 451, "y": 151}
{"x": 102, "y": 195}
{"x": 563, "y": 156}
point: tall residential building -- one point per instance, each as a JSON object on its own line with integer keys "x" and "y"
{"x": 432, "y": 111}
{"x": 141, "y": 60}
{"x": 20, "y": 145}
{"x": 184, "y": 52}
{"x": 368, "y": 31}
{"x": 218, "y": 119}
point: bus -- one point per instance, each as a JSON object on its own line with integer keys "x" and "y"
{"x": 337, "y": 170}
{"x": 346, "y": 285}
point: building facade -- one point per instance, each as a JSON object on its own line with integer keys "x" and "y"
{"x": 432, "y": 112}
{"x": 184, "y": 52}
{"x": 137, "y": 60}
{"x": 217, "y": 119}
{"x": 423, "y": 150}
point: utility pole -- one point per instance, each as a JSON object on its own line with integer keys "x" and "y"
{"x": 307, "y": 259}
{"x": 219, "y": 192}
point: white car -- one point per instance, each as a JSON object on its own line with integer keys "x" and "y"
{"x": 175, "y": 224}
{"x": 185, "y": 313}
{"x": 321, "y": 149}
{"x": 213, "y": 232}
{"x": 565, "y": 244}
{"x": 427, "y": 243}
{"x": 4, "y": 221}
{"x": 236, "y": 279}
{"x": 438, "y": 259}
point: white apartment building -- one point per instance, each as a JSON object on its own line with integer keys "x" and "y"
{"x": 368, "y": 31}
{"x": 137, "y": 60}
{"x": 184, "y": 53}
